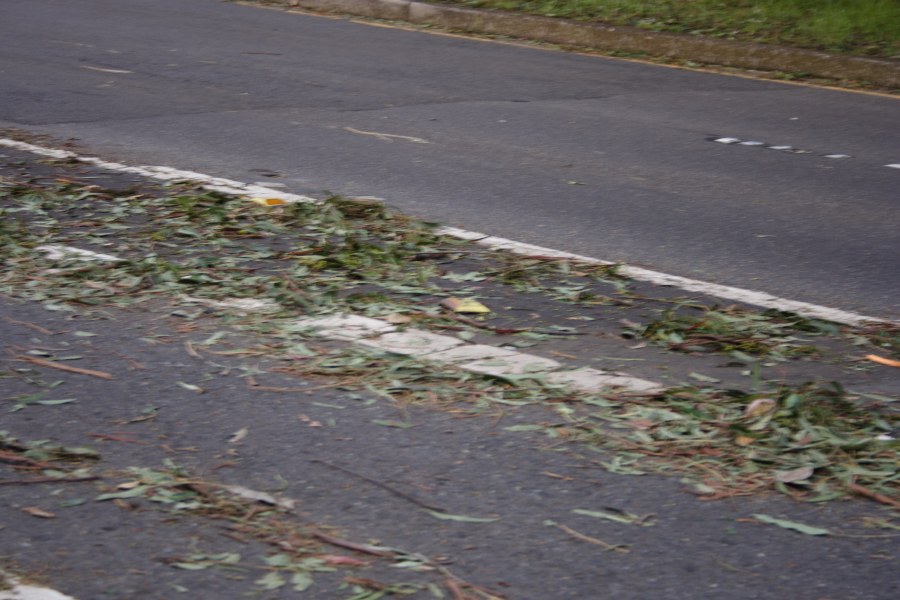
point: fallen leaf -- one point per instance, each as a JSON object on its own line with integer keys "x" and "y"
{"x": 759, "y": 407}
{"x": 704, "y": 378}
{"x": 794, "y": 475}
{"x": 618, "y": 517}
{"x": 462, "y": 518}
{"x": 744, "y": 440}
{"x": 190, "y": 386}
{"x": 335, "y": 559}
{"x": 792, "y": 525}
{"x": 398, "y": 319}
{"x": 238, "y": 435}
{"x": 34, "y": 511}
{"x": 263, "y": 497}
{"x": 391, "y": 423}
{"x": 460, "y": 305}
{"x": 268, "y": 201}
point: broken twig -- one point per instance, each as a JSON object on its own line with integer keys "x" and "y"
{"x": 55, "y": 365}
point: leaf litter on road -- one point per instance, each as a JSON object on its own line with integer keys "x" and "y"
{"x": 347, "y": 256}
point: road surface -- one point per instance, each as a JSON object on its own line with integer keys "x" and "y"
{"x": 598, "y": 156}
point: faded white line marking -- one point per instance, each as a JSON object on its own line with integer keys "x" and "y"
{"x": 20, "y": 591}
{"x": 387, "y": 137}
{"x": 756, "y": 298}
{"x": 346, "y": 327}
{"x": 249, "y": 305}
{"x": 781, "y": 148}
{"x": 475, "y": 358}
{"x": 894, "y": 166}
{"x": 57, "y": 252}
{"x": 412, "y": 342}
{"x": 215, "y": 184}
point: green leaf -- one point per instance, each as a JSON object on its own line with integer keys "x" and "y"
{"x": 301, "y": 581}
{"x": 524, "y": 428}
{"x": 462, "y": 518}
{"x": 622, "y": 517}
{"x": 190, "y": 566}
{"x": 792, "y": 525}
{"x": 132, "y": 493}
{"x": 704, "y": 378}
{"x": 390, "y": 423}
{"x": 271, "y": 581}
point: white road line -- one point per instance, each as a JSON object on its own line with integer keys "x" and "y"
{"x": 475, "y": 358}
{"x": 216, "y": 184}
{"x": 20, "y": 591}
{"x": 238, "y": 188}
{"x": 692, "y": 285}
{"x": 57, "y": 252}
{"x": 894, "y": 166}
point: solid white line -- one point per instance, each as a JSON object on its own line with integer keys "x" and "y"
{"x": 238, "y": 188}
{"x": 655, "y": 277}
{"x": 216, "y": 184}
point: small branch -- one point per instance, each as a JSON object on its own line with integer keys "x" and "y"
{"x": 30, "y": 325}
{"x": 49, "y": 480}
{"x": 342, "y": 543}
{"x": 593, "y": 540}
{"x": 55, "y": 365}
{"x": 380, "y": 484}
{"x": 872, "y": 495}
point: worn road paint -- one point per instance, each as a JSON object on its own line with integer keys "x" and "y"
{"x": 475, "y": 358}
{"x": 736, "y": 294}
{"x": 215, "y": 184}
{"x": 20, "y": 591}
{"x": 57, "y": 252}
{"x": 781, "y": 148}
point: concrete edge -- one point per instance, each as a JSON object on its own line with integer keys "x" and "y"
{"x": 745, "y": 55}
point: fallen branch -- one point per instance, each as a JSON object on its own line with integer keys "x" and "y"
{"x": 872, "y": 495}
{"x": 49, "y": 480}
{"x": 55, "y": 365}
{"x": 30, "y": 325}
{"x": 342, "y": 543}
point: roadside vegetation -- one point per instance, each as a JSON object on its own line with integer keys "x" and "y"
{"x": 860, "y": 27}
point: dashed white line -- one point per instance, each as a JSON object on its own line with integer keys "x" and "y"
{"x": 238, "y": 188}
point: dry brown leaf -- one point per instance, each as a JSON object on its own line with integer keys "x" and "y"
{"x": 34, "y": 511}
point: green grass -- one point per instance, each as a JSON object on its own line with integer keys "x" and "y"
{"x": 862, "y": 27}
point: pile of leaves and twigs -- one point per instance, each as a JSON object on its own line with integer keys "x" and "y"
{"x": 812, "y": 442}
{"x": 44, "y": 462}
{"x": 179, "y": 244}
{"x": 297, "y": 551}
{"x": 736, "y": 331}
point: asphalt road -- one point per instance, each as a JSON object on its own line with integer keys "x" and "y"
{"x": 598, "y": 156}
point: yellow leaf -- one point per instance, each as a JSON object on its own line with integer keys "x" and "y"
{"x": 462, "y": 305}
{"x": 268, "y": 201}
